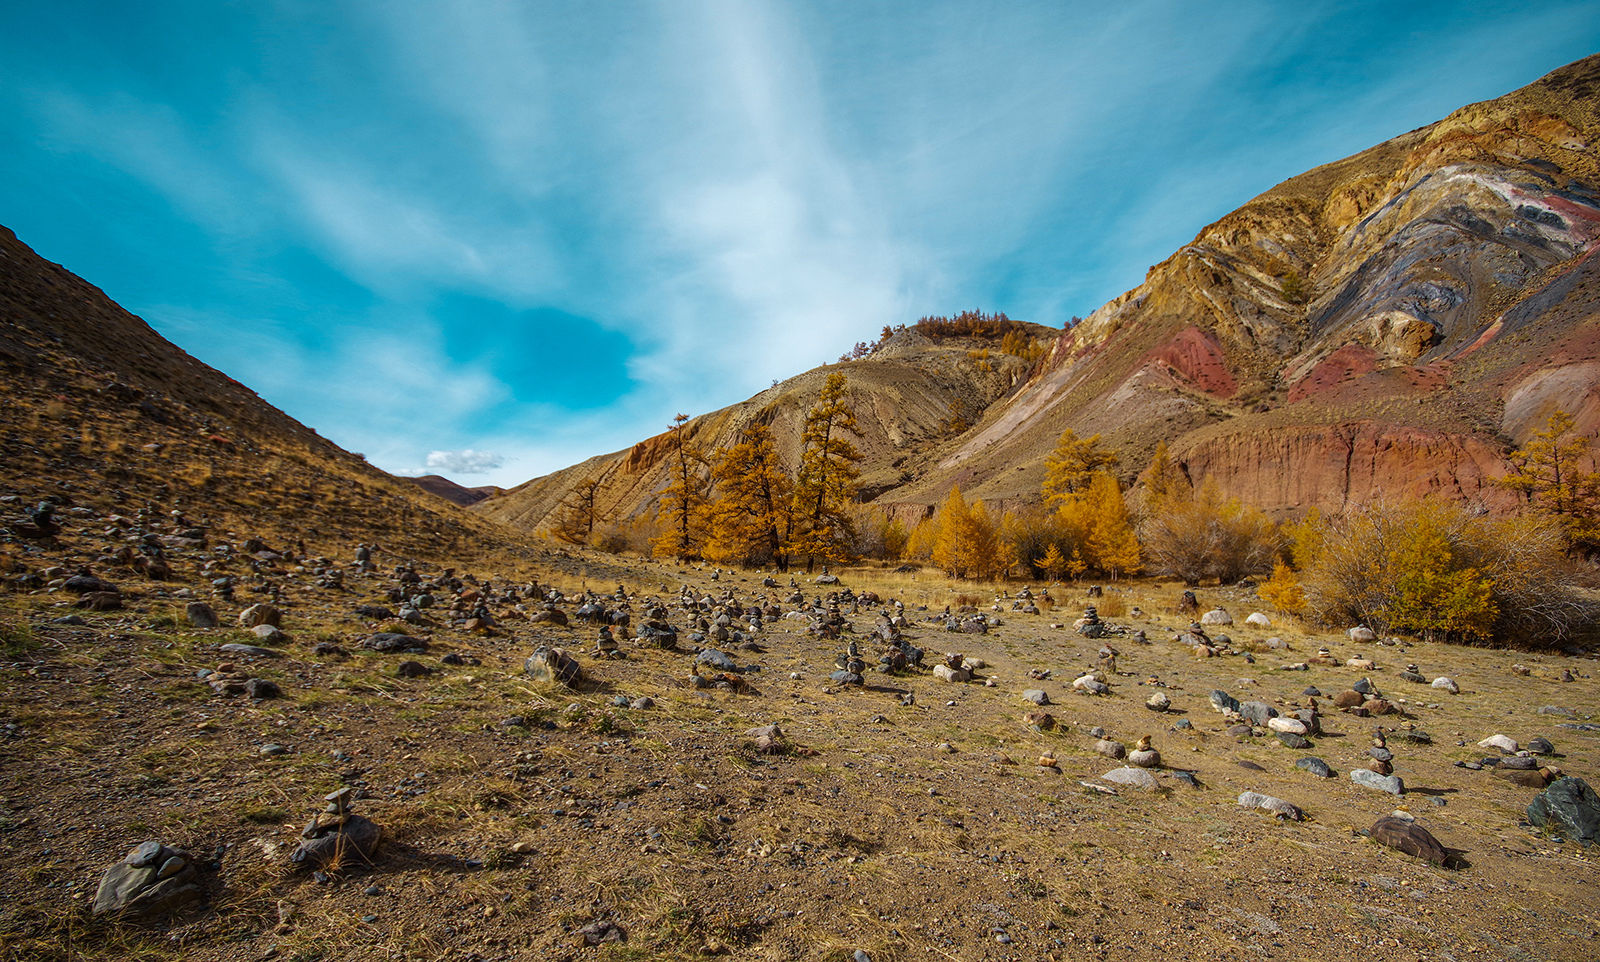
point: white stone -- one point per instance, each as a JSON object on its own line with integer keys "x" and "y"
{"x": 1361, "y": 664}
{"x": 1448, "y": 684}
{"x": 1293, "y": 726}
{"x": 1502, "y": 742}
{"x": 970, "y": 665}
{"x": 1383, "y": 783}
{"x": 1158, "y": 702}
{"x": 1216, "y": 616}
{"x": 1259, "y": 620}
{"x": 1363, "y": 636}
{"x": 946, "y": 673}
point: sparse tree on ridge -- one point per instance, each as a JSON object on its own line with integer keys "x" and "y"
{"x": 826, "y": 482}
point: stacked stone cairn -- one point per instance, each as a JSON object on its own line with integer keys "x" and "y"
{"x": 337, "y": 838}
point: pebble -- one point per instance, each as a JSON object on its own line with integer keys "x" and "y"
{"x": 273, "y": 748}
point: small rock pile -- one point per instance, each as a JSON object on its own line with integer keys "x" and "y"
{"x": 151, "y": 880}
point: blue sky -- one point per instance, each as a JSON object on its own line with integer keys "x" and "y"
{"x": 491, "y": 239}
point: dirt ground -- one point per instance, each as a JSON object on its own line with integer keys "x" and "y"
{"x": 905, "y": 831}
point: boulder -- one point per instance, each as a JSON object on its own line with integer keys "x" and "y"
{"x": 1158, "y": 702}
{"x": 1111, "y": 749}
{"x": 338, "y": 844}
{"x": 1293, "y": 726}
{"x": 1363, "y": 636}
{"x": 390, "y": 642}
{"x": 946, "y": 673}
{"x": 1502, "y": 742}
{"x": 1216, "y": 616}
{"x": 1408, "y": 837}
{"x": 1257, "y": 712}
{"x": 1133, "y": 778}
{"x": 201, "y": 615}
{"x": 1036, "y": 695}
{"x": 1224, "y": 702}
{"x": 1315, "y": 766}
{"x": 1146, "y": 758}
{"x": 1383, "y": 783}
{"x": 151, "y": 880}
{"x": 1268, "y": 803}
{"x": 553, "y": 666}
{"x": 1447, "y": 684}
{"x": 1569, "y": 806}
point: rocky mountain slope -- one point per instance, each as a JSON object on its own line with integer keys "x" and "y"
{"x": 1390, "y": 324}
{"x": 453, "y": 492}
{"x": 911, "y": 396}
{"x": 100, "y": 409}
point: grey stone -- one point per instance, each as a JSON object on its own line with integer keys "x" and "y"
{"x": 1224, "y": 702}
{"x": 269, "y": 635}
{"x": 553, "y": 665}
{"x": 720, "y": 660}
{"x": 1133, "y": 778}
{"x": 273, "y": 748}
{"x": 390, "y": 642}
{"x": 201, "y": 615}
{"x": 1037, "y": 696}
{"x": 336, "y": 846}
{"x": 1569, "y": 806}
{"x": 254, "y": 651}
{"x": 1540, "y": 745}
{"x": 1380, "y": 754}
{"x": 1364, "y": 686}
{"x": 1314, "y": 765}
{"x": 1111, "y": 749}
{"x": 1269, "y": 803}
{"x": 1257, "y": 712}
{"x": 1383, "y": 783}
{"x": 1291, "y": 740}
{"x": 261, "y": 688}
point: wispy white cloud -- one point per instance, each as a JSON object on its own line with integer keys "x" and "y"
{"x": 466, "y": 461}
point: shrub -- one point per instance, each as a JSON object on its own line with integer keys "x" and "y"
{"x": 1439, "y": 571}
{"x": 1200, "y": 536}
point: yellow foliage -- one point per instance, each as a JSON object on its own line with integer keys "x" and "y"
{"x": 1282, "y": 591}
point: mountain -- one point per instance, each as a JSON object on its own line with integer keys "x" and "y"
{"x": 455, "y": 493}
{"x": 101, "y": 408}
{"x": 1389, "y": 324}
{"x": 911, "y": 396}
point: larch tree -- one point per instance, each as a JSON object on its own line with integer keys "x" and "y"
{"x": 826, "y": 482}
{"x": 1112, "y": 542}
{"x": 1071, "y": 466}
{"x": 1163, "y": 480}
{"x": 1554, "y": 471}
{"x": 579, "y": 513}
{"x": 952, "y": 543}
{"x": 750, "y": 520}
{"x": 684, "y": 499}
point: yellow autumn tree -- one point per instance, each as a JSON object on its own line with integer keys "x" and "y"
{"x": 683, "y": 501}
{"x": 1163, "y": 480}
{"x": 749, "y": 521}
{"x": 826, "y": 482}
{"x": 1555, "y": 472}
{"x": 1113, "y": 546}
{"x": 1071, "y": 466}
